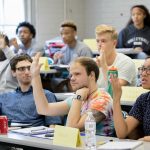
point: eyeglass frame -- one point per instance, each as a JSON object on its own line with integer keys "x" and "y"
{"x": 142, "y": 69}
{"x": 23, "y": 68}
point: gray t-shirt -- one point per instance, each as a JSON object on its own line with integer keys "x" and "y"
{"x": 32, "y": 50}
{"x": 71, "y": 53}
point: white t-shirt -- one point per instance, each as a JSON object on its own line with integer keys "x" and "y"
{"x": 126, "y": 70}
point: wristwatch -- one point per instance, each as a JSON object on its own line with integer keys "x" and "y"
{"x": 78, "y": 97}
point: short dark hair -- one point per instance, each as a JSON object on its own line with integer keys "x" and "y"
{"x": 69, "y": 24}
{"x": 29, "y": 26}
{"x": 18, "y": 58}
{"x": 89, "y": 64}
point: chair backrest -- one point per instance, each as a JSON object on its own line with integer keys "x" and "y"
{"x": 91, "y": 43}
{"x": 138, "y": 63}
{"x": 130, "y": 93}
{"x": 60, "y": 85}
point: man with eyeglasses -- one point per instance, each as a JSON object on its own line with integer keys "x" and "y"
{"x": 140, "y": 112}
{"x": 19, "y": 105}
{"x": 142, "y": 69}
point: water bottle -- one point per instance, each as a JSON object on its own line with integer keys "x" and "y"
{"x": 90, "y": 131}
{"x": 113, "y": 70}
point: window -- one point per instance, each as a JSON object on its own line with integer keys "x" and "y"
{"x": 11, "y": 13}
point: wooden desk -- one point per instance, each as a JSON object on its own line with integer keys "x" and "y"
{"x": 63, "y": 96}
{"x": 51, "y": 71}
{"x": 130, "y": 94}
{"x": 126, "y": 51}
{"x": 13, "y": 139}
{"x": 31, "y": 143}
{"x": 126, "y": 104}
{"x": 93, "y": 45}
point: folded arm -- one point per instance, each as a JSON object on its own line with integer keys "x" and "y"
{"x": 75, "y": 119}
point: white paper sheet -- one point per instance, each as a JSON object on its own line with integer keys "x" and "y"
{"x": 120, "y": 145}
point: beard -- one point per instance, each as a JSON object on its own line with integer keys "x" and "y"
{"x": 75, "y": 88}
{"x": 2, "y": 56}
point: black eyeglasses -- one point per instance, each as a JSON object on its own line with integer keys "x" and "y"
{"x": 142, "y": 69}
{"x": 23, "y": 68}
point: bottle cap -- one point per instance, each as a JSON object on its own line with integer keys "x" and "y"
{"x": 113, "y": 68}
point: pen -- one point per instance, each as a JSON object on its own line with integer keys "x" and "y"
{"x": 41, "y": 131}
{"x": 104, "y": 142}
{"x": 82, "y": 133}
{"x": 37, "y": 130}
{"x": 49, "y": 135}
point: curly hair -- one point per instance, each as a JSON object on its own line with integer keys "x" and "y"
{"x": 29, "y": 26}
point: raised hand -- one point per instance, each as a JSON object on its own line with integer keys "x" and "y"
{"x": 57, "y": 56}
{"x": 35, "y": 66}
{"x": 101, "y": 60}
{"x": 117, "y": 91}
{"x": 2, "y": 40}
{"x": 13, "y": 41}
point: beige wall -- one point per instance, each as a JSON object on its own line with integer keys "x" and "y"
{"x": 48, "y": 14}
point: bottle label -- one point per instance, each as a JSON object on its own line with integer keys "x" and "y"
{"x": 90, "y": 126}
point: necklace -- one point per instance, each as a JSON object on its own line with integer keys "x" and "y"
{"x": 87, "y": 103}
{"x": 92, "y": 93}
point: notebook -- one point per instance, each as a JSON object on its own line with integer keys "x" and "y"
{"x": 120, "y": 145}
{"x": 16, "y": 124}
{"x": 34, "y": 130}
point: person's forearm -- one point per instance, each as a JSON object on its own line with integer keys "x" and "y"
{"x": 119, "y": 122}
{"x": 8, "y": 53}
{"x": 74, "y": 114}
{"x": 39, "y": 96}
{"x": 104, "y": 72}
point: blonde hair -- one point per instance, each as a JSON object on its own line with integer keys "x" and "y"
{"x": 100, "y": 29}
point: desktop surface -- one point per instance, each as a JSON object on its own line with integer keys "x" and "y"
{"x": 39, "y": 143}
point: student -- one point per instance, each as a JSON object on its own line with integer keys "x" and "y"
{"x": 7, "y": 81}
{"x": 73, "y": 47}
{"x": 84, "y": 73}
{"x": 140, "y": 112}
{"x": 26, "y": 34}
{"x": 106, "y": 38}
{"x": 137, "y": 32}
{"x": 19, "y": 105}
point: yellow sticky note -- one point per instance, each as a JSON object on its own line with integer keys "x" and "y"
{"x": 67, "y": 136}
{"x": 44, "y": 61}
